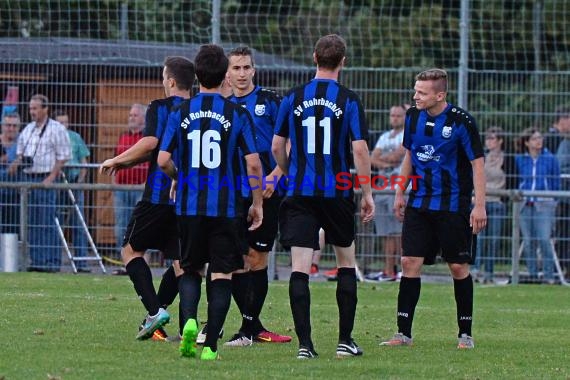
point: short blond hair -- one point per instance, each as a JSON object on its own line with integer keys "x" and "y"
{"x": 439, "y": 76}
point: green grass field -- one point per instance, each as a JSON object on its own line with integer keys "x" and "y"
{"x": 84, "y": 327}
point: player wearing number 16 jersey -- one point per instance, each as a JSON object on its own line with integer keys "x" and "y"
{"x": 323, "y": 120}
{"x": 208, "y": 132}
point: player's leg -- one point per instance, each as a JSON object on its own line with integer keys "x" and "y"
{"x": 193, "y": 255}
{"x": 418, "y": 246}
{"x": 136, "y": 241}
{"x": 299, "y": 232}
{"x": 456, "y": 236}
{"x": 225, "y": 258}
{"x": 337, "y": 218}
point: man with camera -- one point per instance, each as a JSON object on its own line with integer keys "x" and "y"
{"x": 43, "y": 148}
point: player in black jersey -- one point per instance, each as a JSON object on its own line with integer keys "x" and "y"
{"x": 323, "y": 121}
{"x": 153, "y": 222}
{"x": 208, "y": 132}
{"x": 249, "y": 286}
{"x": 444, "y": 151}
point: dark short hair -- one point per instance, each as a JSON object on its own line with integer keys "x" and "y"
{"x": 41, "y": 98}
{"x": 439, "y": 76}
{"x": 60, "y": 112}
{"x": 211, "y": 65}
{"x": 181, "y": 69}
{"x": 495, "y": 131}
{"x": 242, "y": 51}
{"x": 329, "y": 51}
{"x": 525, "y": 136}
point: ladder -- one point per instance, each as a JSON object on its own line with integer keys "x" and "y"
{"x": 93, "y": 248}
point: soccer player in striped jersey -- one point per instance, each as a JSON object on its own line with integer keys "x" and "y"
{"x": 153, "y": 222}
{"x": 208, "y": 132}
{"x": 250, "y": 285}
{"x": 323, "y": 120}
{"x": 444, "y": 150}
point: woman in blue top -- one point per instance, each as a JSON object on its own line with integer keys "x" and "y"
{"x": 537, "y": 169}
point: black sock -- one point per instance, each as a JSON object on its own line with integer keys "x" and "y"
{"x": 346, "y": 299}
{"x": 258, "y": 293}
{"x": 168, "y": 288}
{"x": 221, "y": 292}
{"x": 141, "y": 277}
{"x": 190, "y": 288}
{"x": 241, "y": 292}
{"x": 464, "y": 301}
{"x": 300, "y": 300}
{"x": 408, "y": 297}
{"x": 208, "y": 283}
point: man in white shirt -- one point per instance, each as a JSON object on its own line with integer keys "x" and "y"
{"x": 43, "y": 148}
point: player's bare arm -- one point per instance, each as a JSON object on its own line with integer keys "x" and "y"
{"x": 279, "y": 150}
{"x": 362, "y": 164}
{"x": 399, "y": 201}
{"x": 140, "y": 152}
{"x": 478, "y": 218}
{"x": 254, "y": 172}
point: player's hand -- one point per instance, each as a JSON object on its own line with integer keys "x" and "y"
{"x": 367, "y": 208}
{"x": 255, "y": 216}
{"x": 268, "y": 188}
{"x": 109, "y": 167}
{"x": 478, "y": 219}
{"x": 399, "y": 206}
{"x": 173, "y": 187}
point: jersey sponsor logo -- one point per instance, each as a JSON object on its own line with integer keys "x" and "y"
{"x": 318, "y": 102}
{"x": 446, "y": 132}
{"x": 259, "y": 109}
{"x": 427, "y": 154}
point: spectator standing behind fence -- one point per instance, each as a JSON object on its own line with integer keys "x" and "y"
{"x": 563, "y": 209}
{"x": 537, "y": 169}
{"x": 555, "y": 134}
{"x": 124, "y": 200}
{"x": 497, "y": 167}
{"x": 79, "y": 154}
{"x": 43, "y": 149}
{"x": 387, "y": 157}
{"x": 9, "y": 199}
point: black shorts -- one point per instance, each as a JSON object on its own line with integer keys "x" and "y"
{"x": 153, "y": 227}
{"x": 214, "y": 240}
{"x": 301, "y": 217}
{"x": 262, "y": 238}
{"x": 426, "y": 233}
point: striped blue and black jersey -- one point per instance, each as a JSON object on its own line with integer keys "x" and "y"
{"x": 208, "y": 131}
{"x": 441, "y": 149}
{"x": 263, "y": 106}
{"x": 157, "y": 186}
{"x": 321, "y": 119}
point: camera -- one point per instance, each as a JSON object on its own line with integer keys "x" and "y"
{"x": 27, "y": 161}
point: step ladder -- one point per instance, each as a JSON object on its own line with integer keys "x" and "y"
{"x": 93, "y": 248}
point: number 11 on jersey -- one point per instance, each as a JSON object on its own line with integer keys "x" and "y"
{"x": 311, "y": 125}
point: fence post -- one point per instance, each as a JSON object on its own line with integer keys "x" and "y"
{"x": 517, "y": 202}
{"x": 24, "y": 191}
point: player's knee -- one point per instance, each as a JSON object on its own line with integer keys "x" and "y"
{"x": 459, "y": 271}
{"x": 257, "y": 260}
{"x": 411, "y": 266}
{"x": 127, "y": 254}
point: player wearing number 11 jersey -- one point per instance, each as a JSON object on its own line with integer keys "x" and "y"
{"x": 323, "y": 120}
